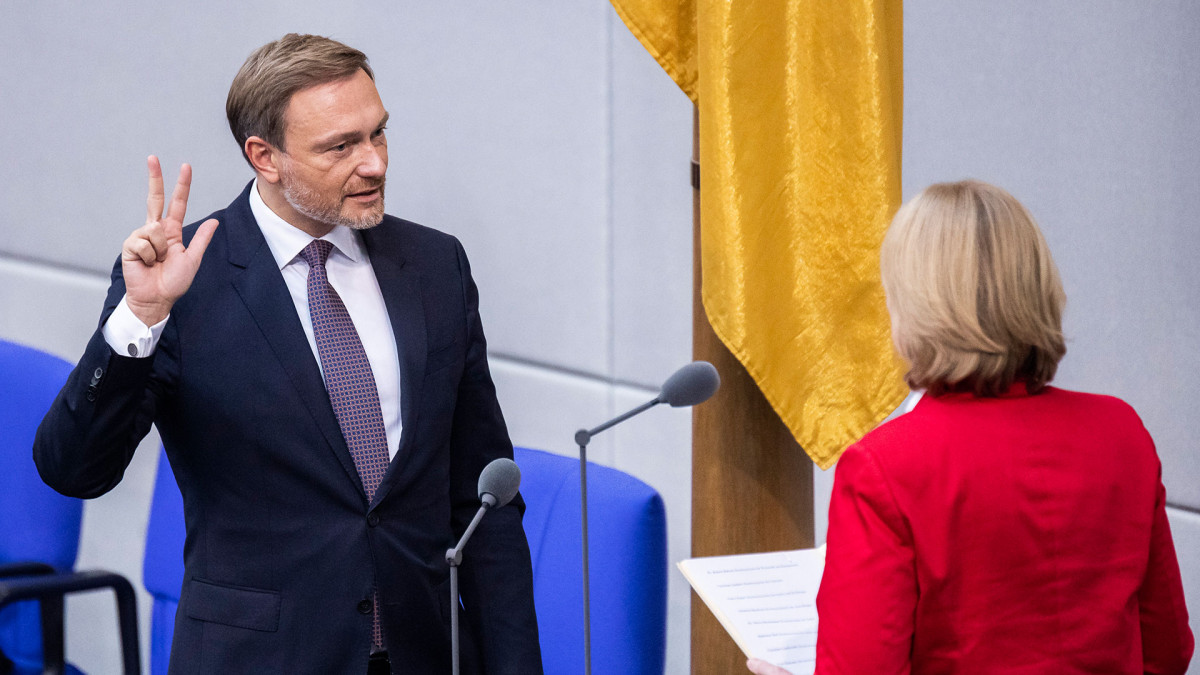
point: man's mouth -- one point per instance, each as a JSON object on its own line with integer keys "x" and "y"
{"x": 366, "y": 195}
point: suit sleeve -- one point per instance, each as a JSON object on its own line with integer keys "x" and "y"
{"x": 1167, "y": 641}
{"x": 87, "y": 438}
{"x": 868, "y": 596}
{"x": 497, "y": 576}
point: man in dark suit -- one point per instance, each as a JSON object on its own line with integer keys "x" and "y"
{"x": 318, "y": 373}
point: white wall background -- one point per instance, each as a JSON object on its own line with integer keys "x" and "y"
{"x": 544, "y": 136}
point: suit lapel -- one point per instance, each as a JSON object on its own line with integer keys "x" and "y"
{"x": 400, "y": 284}
{"x": 261, "y": 287}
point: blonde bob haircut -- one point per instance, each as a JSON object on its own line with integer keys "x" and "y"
{"x": 975, "y": 298}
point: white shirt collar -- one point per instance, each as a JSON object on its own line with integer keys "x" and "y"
{"x": 914, "y": 397}
{"x": 286, "y": 240}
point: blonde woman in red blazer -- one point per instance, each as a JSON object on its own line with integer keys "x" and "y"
{"x": 1003, "y": 525}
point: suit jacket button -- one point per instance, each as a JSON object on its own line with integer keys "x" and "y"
{"x": 364, "y": 607}
{"x": 372, "y": 519}
{"x": 97, "y": 374}
{"x": 91, "y": 394}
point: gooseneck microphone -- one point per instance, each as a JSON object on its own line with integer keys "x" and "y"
{"x": 692, "y": 384}
{"x": 688, "y": 386}
{"x": 498, "y": 484}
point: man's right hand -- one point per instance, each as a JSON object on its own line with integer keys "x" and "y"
{"x": 157, "y": 267}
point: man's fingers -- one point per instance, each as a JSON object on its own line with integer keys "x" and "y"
{"x": 179, "y": 198}
{"x": 154, "y": 195}
{"x": 149, "y": 243}
{"x": 156, "y": 235}
{"x": 137, "y": 247}
{"x": 199, "y": 244}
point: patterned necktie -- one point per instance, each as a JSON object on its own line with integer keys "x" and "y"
{"x": 349, "y": 381}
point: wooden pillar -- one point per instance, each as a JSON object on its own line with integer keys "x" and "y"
{"x": 752, "y": 487}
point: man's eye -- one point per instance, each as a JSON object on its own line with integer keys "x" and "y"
{"x": 340, "y": 147}
{"x": 379, "y": 132}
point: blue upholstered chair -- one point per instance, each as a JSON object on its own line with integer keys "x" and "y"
{"x": 162, "y": 567}
{"x": 627, "y": 538}
{"x": 627, "y": 546}
{"x": 39, "y": 528}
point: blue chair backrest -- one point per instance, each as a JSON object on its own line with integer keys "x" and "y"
{"x": 627, "y": 539}
{"x": 38, "y": 524}
{"x": 162, "y": 567}
{"x": 627, "y": 561}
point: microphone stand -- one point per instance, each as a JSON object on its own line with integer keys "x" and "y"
{"x": 454, "y": 559}
{"x": 582, "y": 438}
{"x": 686, "y": 387}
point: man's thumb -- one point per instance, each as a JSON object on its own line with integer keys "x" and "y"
{"x": 199, "y": 244}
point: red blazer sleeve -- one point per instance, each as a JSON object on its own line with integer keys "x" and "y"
{"x": 868, "y": 596}
{"x": 1167, "y": 642}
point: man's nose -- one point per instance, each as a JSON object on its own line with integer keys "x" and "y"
{"x": 373, "y": 163}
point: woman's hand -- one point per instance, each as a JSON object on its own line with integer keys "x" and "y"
{"x": 760, "y": 667}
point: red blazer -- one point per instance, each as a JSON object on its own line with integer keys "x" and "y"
{"x": 1020, "y": 534}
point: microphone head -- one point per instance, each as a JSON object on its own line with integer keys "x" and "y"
{"x": 501, "y": 479}
{"x": 691, "y": 384}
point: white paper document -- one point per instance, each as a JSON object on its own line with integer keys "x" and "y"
{"x": 766, "y": 601}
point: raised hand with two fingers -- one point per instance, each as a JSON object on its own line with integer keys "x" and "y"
{"x": 157, "y": 267}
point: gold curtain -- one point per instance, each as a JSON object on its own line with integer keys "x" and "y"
{"x": 800, "y": 105}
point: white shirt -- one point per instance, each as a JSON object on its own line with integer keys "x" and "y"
{"x": 351, "y": 275}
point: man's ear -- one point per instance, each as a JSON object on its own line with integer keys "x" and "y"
{"x": 263, "y": 157}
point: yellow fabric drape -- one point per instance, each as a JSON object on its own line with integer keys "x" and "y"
{"x": 800, "y": 105}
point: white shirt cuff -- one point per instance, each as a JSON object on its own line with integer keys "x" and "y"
{"x": 128, "y": 336}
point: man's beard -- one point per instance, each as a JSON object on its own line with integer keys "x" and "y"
{"x": 307, "y": 202}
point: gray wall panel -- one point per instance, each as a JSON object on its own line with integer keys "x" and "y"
{"x": 504, "y": 111}
{"x": 53, "y": 310}
{"x": 822, "y": 494}
{"x": 543, "y": 408}
{"x": 652, "y": 216}
{"x": 100, "y": 87}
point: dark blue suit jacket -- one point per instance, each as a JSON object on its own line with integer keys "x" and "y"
{"x": 283, "y": 551}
